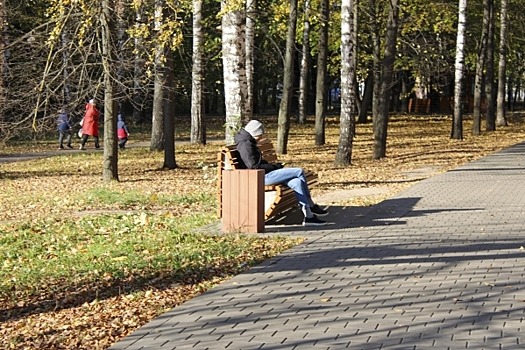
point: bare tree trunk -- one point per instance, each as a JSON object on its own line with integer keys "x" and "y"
{"x": 157, "y": 123}
{"x": 490, "y": 118}
{"x": 66, "y": 95}
{"x": 138, "y": 63}
{"x": 480, "y": 66}
{"x": 368, "y": 95}
{"x": 250, "y": 56}
{"x": 110, "y": 161}
{"x": 234, "y": 69}
{"x": 305, "y": 64}
{"x": 348, "y": 92}
{"x": 169, "y": 115}
{"x": 320, "y": 89}
{"x": 501, "y": 120}
{"x": 119, "y": 53}
{"x": 381, "y": 120}
{"x": 3, "y": 17}
{"x": 198, "y": 123}
{"x": 286, "y": 100}
{"x": 457, "y": 122}
{"x": 376, "y": 66}
{"x": 405, "y": 92}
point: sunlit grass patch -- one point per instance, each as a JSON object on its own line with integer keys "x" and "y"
{"x": 54, "y": 255}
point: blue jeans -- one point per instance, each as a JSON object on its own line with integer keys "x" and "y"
{"x": 293, "y": 178}
{"x": 64, "y": 135}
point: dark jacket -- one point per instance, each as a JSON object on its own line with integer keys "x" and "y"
{"x": 251, "y": 157}
{"x": 63, "y": 122}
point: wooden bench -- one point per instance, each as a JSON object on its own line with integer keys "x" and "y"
{"x": 277, "y": 198}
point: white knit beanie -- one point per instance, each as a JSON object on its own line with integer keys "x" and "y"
{"x": 254, "y": 128}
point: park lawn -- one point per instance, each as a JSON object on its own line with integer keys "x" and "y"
{"x": 85, "y": 262}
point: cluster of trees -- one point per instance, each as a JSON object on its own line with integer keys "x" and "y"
{"x": 153, "y": 59}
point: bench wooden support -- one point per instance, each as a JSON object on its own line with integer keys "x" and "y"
{"x": 243, "y": 201}
{"x": 277, "y": 198}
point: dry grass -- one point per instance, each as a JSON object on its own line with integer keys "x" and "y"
{"x": 419, "y": 144}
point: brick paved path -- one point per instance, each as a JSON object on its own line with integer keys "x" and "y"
{"x": 439, "y": 266}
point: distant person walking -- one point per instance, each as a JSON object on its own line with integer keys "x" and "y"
{"x": 64, "y": 129}
{"x": 90, "y": 124}
{"x": 122, "y": 131}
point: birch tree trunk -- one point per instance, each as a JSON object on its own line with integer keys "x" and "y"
{"x": 381, "y": 120}
{"x": 120, "y": 55}
{"x": 110, "y": 159}
{"x": 305, "y": 65}
{"x": 501, "y": 120}
{"x": 283, "y": 122}
{"x": 233, "y": 56}
{"x": 250, "y": 56}
{"x": 320, "y": 89}
{"x": 490, "y": 118}
{"x": 157, "y": 123}
{"x": 457, "y": 121}
{"x": 138, "y": 63}
{"x": 348, "y": 93}
{"x": 198, "y": 123}
{"x": 480, "y": 66}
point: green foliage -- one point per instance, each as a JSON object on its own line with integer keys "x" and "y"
{"x": 60, "y": 254}
{"x": 106, "y": 196}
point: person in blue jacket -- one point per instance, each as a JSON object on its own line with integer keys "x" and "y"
{"x": 64, "y": 129}
{"x": 122, "y": 131}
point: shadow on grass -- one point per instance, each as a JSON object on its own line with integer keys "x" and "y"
{"x": 340, "y": 218}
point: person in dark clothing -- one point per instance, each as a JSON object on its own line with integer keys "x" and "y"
{"x": 275, "y": 173}
{"x": 64, "y": 129}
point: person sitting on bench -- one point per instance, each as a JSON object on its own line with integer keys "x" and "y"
{"x": 251, "y": 158}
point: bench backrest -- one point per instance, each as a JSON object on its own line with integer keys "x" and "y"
{"x": 267, "y": 150}
{"x": 229, "y": 158}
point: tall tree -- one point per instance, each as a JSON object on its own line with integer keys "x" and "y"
{"x": 250, "y": 57}
{"x": 169, "y": 115}
{"x": 480, "y": 66}
{"x": 320, "y": 88}
{"x": 348, "y": 93}
{"x": 3, "y": 18}
{"x": 157, "y": 123}
{"x": 381, "y": 120}
{"x": 198, "y": 124}
{"x": 286, "y": 100}
{"x": 234, "y": 71}
{"x": 138, "y": 64}
{"x": 490, "y": 118}
{"x": 457, "y": 122}
{"x": 376, "y": 53}
{"x": 501, "y": 120}
{"x": 110, "y": 162}
{"x": 305, "y": 64}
